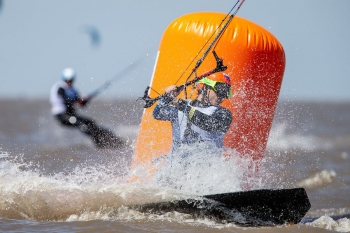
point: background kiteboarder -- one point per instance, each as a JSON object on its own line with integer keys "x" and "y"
{"x": 64, "y": 97}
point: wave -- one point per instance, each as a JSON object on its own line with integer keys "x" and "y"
{"x": 326, "y": 222}
{"x": 281, "y": 139}
{"x": 98, "y": 193}
{"x": 319, "y": 179}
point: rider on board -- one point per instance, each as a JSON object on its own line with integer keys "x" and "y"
{"x": 200, "y": 120}
{"x": 63, "y": 99}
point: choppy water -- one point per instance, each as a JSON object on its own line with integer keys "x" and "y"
{"x": 52, "y": 179}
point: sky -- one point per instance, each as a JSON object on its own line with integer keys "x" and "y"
{"x": 39, "y": 38}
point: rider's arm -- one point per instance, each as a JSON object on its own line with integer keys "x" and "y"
{"x": 164, "y": 109}
{"x": 164, "y": 112}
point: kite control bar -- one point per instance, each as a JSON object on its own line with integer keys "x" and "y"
{"x": 219, "y": 68}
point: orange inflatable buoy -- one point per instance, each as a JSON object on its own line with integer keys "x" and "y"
{"x": 256, "y": 63}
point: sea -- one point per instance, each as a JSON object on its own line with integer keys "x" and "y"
{"x": 53, "y": 179}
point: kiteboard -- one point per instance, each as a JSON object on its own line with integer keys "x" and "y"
{"x": 264, "y": 207}
{"x": 105, "y": 139}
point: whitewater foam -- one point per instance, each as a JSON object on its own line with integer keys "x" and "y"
{"x": 326, "y": 222}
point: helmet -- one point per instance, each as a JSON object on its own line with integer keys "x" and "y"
{"x": 220, "y": 77}
{"x": 68, "y": 74}
{"x": 219, "y": 82}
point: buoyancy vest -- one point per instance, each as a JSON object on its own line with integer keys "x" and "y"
{"x": 197, "y": 134}
{"x": 59, "y": 103}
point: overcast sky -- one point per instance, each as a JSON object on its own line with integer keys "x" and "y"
{"x": 39, "y": 38}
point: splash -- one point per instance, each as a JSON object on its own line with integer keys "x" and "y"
{"x": 3, "y": 154}
{"x": 199, "y": 169}
{"x": 100, "y": 192}
{"x": 88, "y": 192}
{"x": 26, "y": 193}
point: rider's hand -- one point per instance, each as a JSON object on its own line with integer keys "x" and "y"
{"x": 170, "y": 94}
{"x": 83, "y": 101}
{"x": 181, "y": 105}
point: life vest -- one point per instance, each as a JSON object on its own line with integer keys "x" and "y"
{"x": 197, "y": 134}
{"x": 58, "y": 102}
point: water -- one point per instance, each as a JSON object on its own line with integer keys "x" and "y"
{"x": 52, "y": 179}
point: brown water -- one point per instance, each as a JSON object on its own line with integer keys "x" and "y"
{"x": 52, "y": 179}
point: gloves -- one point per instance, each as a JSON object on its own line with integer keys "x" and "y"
{"x": 84, "y": 101}
{"x": 168, "y": 99}
{"x": 181, "y": 105}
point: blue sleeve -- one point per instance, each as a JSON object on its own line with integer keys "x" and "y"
{"x": 165, "y": 112}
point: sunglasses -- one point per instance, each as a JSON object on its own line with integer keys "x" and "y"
{"x": 222, "y": 90}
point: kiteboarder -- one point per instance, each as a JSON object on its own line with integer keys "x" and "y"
{"x": 200, "y": 120}
{"x": 63, "y": 99}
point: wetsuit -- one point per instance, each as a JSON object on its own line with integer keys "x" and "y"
{"x": 63, "y": 98}
{"x": 194, "y": 122}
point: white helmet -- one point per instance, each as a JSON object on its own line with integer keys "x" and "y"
{"x": 68, "y": 74}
